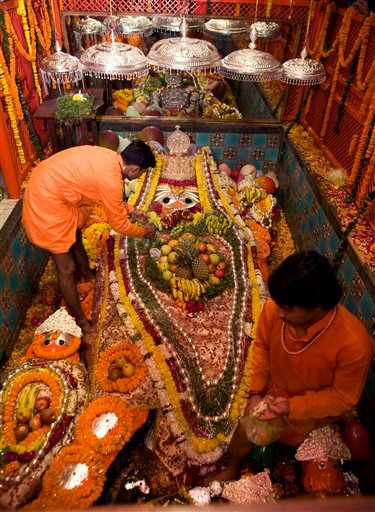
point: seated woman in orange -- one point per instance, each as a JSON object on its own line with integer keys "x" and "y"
{"x": 310, "y": 359}
{"x": 52, "y": 216}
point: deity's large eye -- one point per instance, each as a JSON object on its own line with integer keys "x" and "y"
{"x": 46, "y": 342}
{"x": 61, "y": 342}
{"x": 188, "y": 200}
{"x": 166, "y": 200}
{"x": 322, "y": 465}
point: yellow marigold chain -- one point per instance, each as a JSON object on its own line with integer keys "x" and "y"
{"x": 31, "y": 42}
{"x": 10, "y": 102}
{"x": 13, "y": 36}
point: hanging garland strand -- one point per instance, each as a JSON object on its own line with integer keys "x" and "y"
{"x": 348, "y": 83}
{"x": 370, "y": 197}
{"x": 32, "y": 134}
{"x": 361, "y": 165}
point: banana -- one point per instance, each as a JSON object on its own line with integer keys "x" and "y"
{"x": 180, "y": 295}
{"x": 26, "y": 402}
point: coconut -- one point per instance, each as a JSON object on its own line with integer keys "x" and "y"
{"x": 109, "y": 139}
{"x": 151, "y": 133}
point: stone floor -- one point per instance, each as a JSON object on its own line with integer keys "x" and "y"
{"x": 6, "y": 208}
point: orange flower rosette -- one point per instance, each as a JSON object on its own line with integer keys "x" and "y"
{"x": 108, "y": 359}
{"x": 63, "y": 489}
{"x": 106, "y": 425}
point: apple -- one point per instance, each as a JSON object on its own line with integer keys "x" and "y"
{"x": 167, "y": 275}
{"x": 128, "y": 370}
{"x": 47, "y": 416}
{"x": 163, "y": 267}
{"x": 35, "y": 423}
{"x": 21, "y": 432}
{"x": 222, "y": 265}
{"x": 215, "y": 259}
{"x": 163, "y": 259}
{"x": 202, "y": 247}
{"x": 219, "y": 273}
{"x": 165, "y": 249}
{"x": 205, "y": 258}
{"x": 172, "y": 257}
{"x": 211, "y": 268}
{"x": 41, "y": 403}
{"x": 115, "y": 373}
{"x": 120, "y": 360}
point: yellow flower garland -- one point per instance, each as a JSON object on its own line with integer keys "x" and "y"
{"x": 31, "y": 43}
{"x": 93, "y": 239}
{"x": 13, "y": 106}
{"x": 116, "y": 437}
{"x": 201, "y": 185}
{"x": 154, "y": 183}
{"x": 134, "y": 198}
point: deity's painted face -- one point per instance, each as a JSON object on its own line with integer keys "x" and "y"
{"x": 323, "y": 476}
{"x": 177, "y": 198}
{"x": 55, "y": 345}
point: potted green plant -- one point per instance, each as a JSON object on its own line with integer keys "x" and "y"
{"x": 72, "y": 108}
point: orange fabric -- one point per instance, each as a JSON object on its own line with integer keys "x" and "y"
{"x": 59, "y": 185}
{"x": 324, "y": 381}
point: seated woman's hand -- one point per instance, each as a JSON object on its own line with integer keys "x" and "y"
{"x": 272, "y": 408}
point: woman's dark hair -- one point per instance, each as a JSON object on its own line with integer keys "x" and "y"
{"x": 307, "y": 280}
{"x": 139, "y": 153}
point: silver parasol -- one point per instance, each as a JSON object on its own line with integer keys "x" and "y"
{"x": 183, "y": 53}
{"x": 250, "y": 64}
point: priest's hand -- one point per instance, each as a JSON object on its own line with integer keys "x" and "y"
{"x": 149, "y": 231}
{"x": 140, "y": 216}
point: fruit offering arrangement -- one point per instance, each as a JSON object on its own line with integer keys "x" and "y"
{"x": 189, "y": 267}
{"x": 120, "y": 368}
{"x": 33, "y": 411}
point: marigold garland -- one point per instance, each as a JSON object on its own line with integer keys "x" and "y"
{"x": 93, "y": 239}
{"x": 342, "y": 62}
{"x": 134, "y": 198}
{"x": 48, "y": 377}
{"x": 11, "y": 104}
{"x": 107, "y": 359}
{"x": 116, "y": 437}
{"x": 153, "y": 183}
{"x": 81, "y": 496}
{"x": 201, "y": 185}
{"x": 30, "y": 37}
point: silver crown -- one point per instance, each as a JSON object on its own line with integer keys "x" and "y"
{"x": 178, "y": 142}
{"x": 61, "y": 321}
{"x": 322, "y": 444}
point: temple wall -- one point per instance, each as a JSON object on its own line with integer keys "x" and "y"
{"x": 21, "y": 266}
{"x": 235, "y": 143}
{"x": 314, "y": 225}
